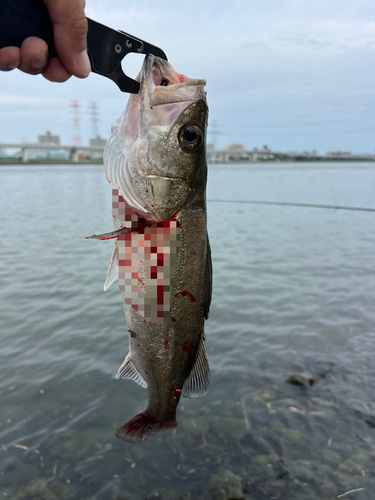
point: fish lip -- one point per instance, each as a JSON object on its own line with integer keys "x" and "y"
{"x": 148, "y": 85}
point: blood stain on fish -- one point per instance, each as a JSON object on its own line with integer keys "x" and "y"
{"x": 186, "y": 346}
{"x": 186, "y": 294}
{"x": 159, "y": 239}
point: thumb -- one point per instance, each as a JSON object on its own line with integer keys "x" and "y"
{"x": 70, "y": 34}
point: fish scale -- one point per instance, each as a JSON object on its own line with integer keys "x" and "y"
{"x": 147, "y": 258}
{"x": 155, "y": 160}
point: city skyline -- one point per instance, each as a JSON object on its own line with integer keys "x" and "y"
{"x": 43, "y": 138}
{"x": 50, "y": 147}
{"x": 294, "y": 75}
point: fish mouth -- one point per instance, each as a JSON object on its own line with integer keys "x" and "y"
{"x": 161, "y": 84}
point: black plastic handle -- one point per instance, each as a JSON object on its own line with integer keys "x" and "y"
{"x": 20, "y": 19}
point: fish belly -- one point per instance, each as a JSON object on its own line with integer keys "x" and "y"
{"x": 161, "y": 278}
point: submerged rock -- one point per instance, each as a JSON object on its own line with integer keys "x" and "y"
{"x": 354, "y": 465}
{"x": 278, "y": 430}
{"x": 328, "y": 491}
{"x": 310, "y": 471}
{"x": 36, "y": 490}
{"x": 264, "y": 460}
{"x": 228, "y": 428}
{"x": 195, "y": 426}
{"x": 119, "y": 492}
{"x": 226, "y": 486}
{"x": 64, "y": 491}
{"x": 331, "y": 456}
{"x": 166, "y": 494}
{"x": 65, "y": 443}
{"x": 304, "y": 379}
{"x": 323, "y": 413}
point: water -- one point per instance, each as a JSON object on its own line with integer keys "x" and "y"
{"x": 293, "y": 292}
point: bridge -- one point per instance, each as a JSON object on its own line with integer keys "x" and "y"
{"x": 235, "y": 153}
{"x": 226, "y": 155}
{"x": 27, "y": 147}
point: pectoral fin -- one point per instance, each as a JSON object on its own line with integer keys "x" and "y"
{"x": 208, "y": 282}
{"x": 109, "y": 236}
{"x": 129, "y": 370}
{"x": 112, "y": 274}
{"x": 197, "y": 383}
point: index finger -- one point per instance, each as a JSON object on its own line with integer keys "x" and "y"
{"x": 70, "y": 34}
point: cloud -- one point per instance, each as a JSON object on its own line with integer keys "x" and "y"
{"x": 280, "y": 67}
{"x": 326, "y": 34}
{"x": 28, "y": 101}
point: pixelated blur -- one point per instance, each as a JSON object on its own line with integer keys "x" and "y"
{"x": 147, "y": 261}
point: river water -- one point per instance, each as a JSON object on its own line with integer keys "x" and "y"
{"x": 294, "y": 292}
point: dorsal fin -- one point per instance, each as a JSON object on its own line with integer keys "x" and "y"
{"x": 129, "y": 370}
{"x": 197, "y": 383}
{"x": 112, "y": 274}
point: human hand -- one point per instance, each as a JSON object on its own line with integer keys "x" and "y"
{"x": 70, "y": 39}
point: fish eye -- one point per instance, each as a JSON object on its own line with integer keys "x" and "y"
{"x": 190, "y": 136}
{"x": 164, "y": 82}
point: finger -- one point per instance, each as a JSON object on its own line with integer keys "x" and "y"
{"x": 10, "y": 58}
{"x": 70, "y": 35}
{"x": 34, "y": 55}
{"x": 56, "y": 71}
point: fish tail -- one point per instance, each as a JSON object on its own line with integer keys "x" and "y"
{"x": 142, "y": 426}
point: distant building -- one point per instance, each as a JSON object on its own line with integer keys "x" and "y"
{"x": 235, "y": 147}
{"x": 57, "y": 154}
{"x": 365, "y": 156}
{"x": 292, "y": 154}
{"x": 48, "y": 149}
{"x": 98, "y": 142}
{"x": 49, "y": 139}
{"x": 338, "y": 154}
{"x": 235, "y": 151}
{"x": 261, "y": 154}
{"x": 47, "y": 154}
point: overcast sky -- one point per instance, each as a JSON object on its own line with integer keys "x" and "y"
{"x": 292, "y": 74}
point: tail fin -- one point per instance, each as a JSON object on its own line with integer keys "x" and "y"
{"x": 142, "y": 426}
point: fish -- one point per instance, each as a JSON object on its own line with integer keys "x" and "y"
{"x": 155, "y": 160}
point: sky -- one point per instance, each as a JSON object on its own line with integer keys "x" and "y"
{"x": 294, "y": 75}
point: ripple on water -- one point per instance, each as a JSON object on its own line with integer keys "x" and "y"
{"x": 293, "y": 293}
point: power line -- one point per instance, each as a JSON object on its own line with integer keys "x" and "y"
{"x": 290, "y": 204}
{"x": 214, "y": 131}
{"x": 94, "y": 114}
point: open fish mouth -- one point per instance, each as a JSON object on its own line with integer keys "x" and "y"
{"x": 164, "y": 93}
{"x": 166, "y": 86}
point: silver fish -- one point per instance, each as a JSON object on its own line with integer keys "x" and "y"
{"x": 155, "y": 160}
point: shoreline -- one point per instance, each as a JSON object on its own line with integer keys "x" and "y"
{"x": 7, "y": 162}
